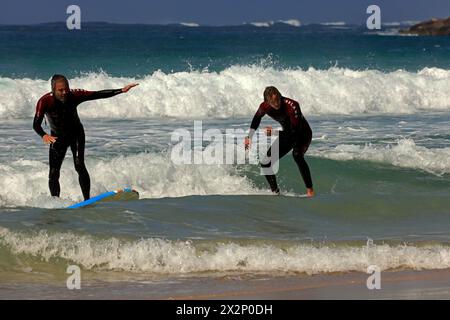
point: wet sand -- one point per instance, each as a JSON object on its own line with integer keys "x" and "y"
{"x": 430, "y": 284}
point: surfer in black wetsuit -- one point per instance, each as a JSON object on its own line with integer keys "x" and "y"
{"x": 296, "y": 134}
{"x": 60, "y": 108}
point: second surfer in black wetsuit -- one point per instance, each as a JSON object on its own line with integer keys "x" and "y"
{"x": 60, "y": 108}
{"x": 296, "y": 134}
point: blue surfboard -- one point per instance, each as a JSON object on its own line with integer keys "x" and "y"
{"x": 116, "y": 195}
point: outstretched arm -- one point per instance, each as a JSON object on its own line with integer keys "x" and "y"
{"x": 128, "y": 87}
{"x": 102, "y": 94}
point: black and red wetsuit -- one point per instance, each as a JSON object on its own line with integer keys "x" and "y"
{"x": 66, "y": 126}
{"x": 296, "y": 135}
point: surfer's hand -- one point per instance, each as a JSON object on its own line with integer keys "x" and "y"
{"x": 48, "y": 139}
{"x": 128, "y": 87}
{"x": 268, "y": 130}
{"x": 310, "y": 192}
{"x": 247, "y": 142}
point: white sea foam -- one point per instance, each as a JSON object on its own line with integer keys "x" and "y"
{"x": 410, "y": 22}
{"x": 180, "y": 257}
{"x": 237, "y": 91}
{"x": 399, "y": 23}
{"x": 404, "y": 154}
{"x": 334, "y": 24}
{"x": 190, "y": 24}
{"x": 154, "y": 175}
{"x": 262, "y": 24}
{"x": 291, "y": 22}
{"x": 267, "y": 24}
{"x": 393, "y": 33}
{"x": 391, "y": 24}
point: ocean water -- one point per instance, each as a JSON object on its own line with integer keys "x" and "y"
{"x": 378, "y": 104}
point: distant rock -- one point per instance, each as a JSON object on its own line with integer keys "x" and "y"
{"x": 433, "y": 27}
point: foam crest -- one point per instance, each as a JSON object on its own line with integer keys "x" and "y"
{"x": 154, "y": 175}
{"x": 180, "y": 257}
{"x": 237, "y": 91}
{"x": 404, "y": 154}
{"x": 291, "y": 22}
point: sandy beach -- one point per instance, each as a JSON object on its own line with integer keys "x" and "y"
{"x": 431, "y": 284}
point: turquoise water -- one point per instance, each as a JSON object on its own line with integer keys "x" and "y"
{"x": 139, "y": 50}
{"x": 378, "y": 105}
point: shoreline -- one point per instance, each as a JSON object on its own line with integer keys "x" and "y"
{"x": 427, "y": 284}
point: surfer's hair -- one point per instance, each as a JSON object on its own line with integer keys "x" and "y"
{"x": 269, "y": 92}
{"x": 56, "y": 78}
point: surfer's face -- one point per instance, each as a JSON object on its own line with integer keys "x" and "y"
{"x": 274, "y": 101}
{"x": 61, "y": 91}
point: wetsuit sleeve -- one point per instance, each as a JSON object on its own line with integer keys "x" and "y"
{"x": 39, "y": 117}
{"x": 257, "y": 120}
{"x": 295, "y": 116}
{"x": 83, "y": 95}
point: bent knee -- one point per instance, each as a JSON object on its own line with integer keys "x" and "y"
{"x": 298, "y": 153}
